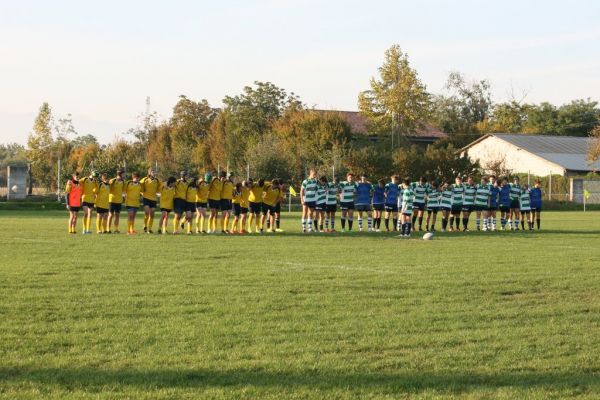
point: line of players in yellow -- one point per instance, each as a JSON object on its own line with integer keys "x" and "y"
{"x": 195, "y": 203}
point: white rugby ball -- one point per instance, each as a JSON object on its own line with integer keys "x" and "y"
{"x": 14, "y": 189}
{"x": 428, "y": 236}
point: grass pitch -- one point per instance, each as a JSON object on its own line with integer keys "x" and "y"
{"x": 478, "y": 315}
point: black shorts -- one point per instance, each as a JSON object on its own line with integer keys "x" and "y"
{"x": 391, "y": 207}
{"x": 456, "y": 209}
{"x": 480, "y": 208}
{"x": 149, "y": 203}
{"x": 114, "y": 207}
{"x": 467, "y": 207}
{"x": 331, "y": 208}
{"x": 310, "y": 204}
{"x": 504, "y": 207}
{"x": 363, "y": 207}
{"x": 101, "y": 210}
{"x": 255, "y": 208}
{"x": 190, "y": 206}
{"x": 378, "y": 207}
{"x": 515, "y": 204}
{"x": 168, "y": 210}
{"x": 225, "y": 204}
{"x": 73, "y": 209}
{"x": 536, "y": 209}
{"x": 493, "y": 208}
{"x": 87, "y": 204}
{"x": 446, "y": 208}
{"x": 214, "y": 204}
{"x": 132, "y": 208}
{"x": 346, "y": 205}
{"x": 201, "y": 205}
{"x": 320, "y": 207}
{"x": 265, "y": 208}
{"x": 433, "y": 209}
{"x": 418, "y": 206}
{"x": 237, "y": 209}
{"x": 179, "y": 205}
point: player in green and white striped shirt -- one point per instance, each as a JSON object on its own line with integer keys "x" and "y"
{"x": 308, "y": 197}
{"x": 331, "y": 205}
{"x": 347, "y": 192}
{"x": 482, "y": 203}
{"x": 321, "y": 201}
{"x": 458, "y": 192}
{"x": 407, "y": 208}
{"x": 468, "y": 202}
{"x": 525, "y": 207}
{"x": 420, "y": 190}
{"x": 515, "y": 195}
{"x": 434, "y": 195}
{"x": 446, "y": 204}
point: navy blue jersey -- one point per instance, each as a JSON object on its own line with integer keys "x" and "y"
{"x": 378, "y": 195}
{"x": 363, "y": 193}
{"x": 536, "y": 197}
{"x": 505, "y": 196}
{"x": 494, "y": 193}
{"x": 391, "y": 194}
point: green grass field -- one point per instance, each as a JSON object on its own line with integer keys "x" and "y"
{"x": 478, "y": 315}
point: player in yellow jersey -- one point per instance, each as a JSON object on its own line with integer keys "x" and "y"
{"x": 270, "y": 198}
{"x": 115, "y": 198}
{"x": 244, "y": 204}
{"x": 214, "y": 201}
{"x": 255, "y": 202}
{"x": 226, "y": 200}
{"x": 278, "y": 206}
{"x": 150, "y": 188}
{"x": 102, "y": 194}
{"x": 202, "y": 202}
{"x": 167, "y": 193}
{"x": 133, "y": 191}
{"x": 190, "y": 204}
{"x": 179, "y": 200}
{"x": 236, "y": 201}
{"x": 88, "y": 197}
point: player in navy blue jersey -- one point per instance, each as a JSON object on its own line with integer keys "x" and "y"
{"x": 391, "y": 191}
{"x": 504, "y": 202}
{"x": 378, "y": 204}
{"x": 363, "y": 202}
{"x": 535, "y": 195}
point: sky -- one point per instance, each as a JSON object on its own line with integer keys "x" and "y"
{"x": 99, "y": 61}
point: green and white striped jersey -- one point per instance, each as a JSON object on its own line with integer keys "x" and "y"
{"x": 347, "y": 191}
{"x": 515, "y": 191}
{"x": 332, "y": 191}
{"x": 321, "y": 194}
{"x": 310, "y": 189}
{"x": 525, "y": 200}
{"x": 469, "y": 196}
{"x": 408, "y": 197}
{"x": 433, "y": 197}
{"x": 446, "y": 198}
{"x": 482, "y": 195}
{"x": 420, "y": 191}
{"x": 458, "y": 192}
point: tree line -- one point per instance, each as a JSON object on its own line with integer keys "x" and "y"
{"x": 268, "y": 132}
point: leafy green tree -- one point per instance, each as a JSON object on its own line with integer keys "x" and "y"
{"x": 541, "y": 119}
{"x": 578, "y": 117}
{"x": 40, "y": 149}
{"x": 509, "y": 117}
{"x": 397, "y": 101}
{"x": 594, "y": 146}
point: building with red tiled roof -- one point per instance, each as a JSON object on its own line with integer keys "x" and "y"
{"x": 426, "y": 134}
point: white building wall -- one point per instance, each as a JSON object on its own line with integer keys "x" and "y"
{"x": 517, "y": 160}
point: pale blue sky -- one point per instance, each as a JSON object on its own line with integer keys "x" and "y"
{"x": 99, "y": 60}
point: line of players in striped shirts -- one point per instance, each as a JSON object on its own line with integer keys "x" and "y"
{"x": 407, "y": 202}
{"x": 195, "y": 202}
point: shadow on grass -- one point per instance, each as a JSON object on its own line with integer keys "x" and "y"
{"x": 91, "y": 378}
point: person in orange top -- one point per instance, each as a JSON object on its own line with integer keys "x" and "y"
{"x": 73, "y": 194}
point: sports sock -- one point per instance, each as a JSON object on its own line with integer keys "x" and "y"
{"x": 509, "y": 223}
{"x": 420, "y": 222}
{"x": 444, "y": 223}
{"x": 414, "y": 219}
{"x": 98, "y": 224}
{"x": 478, "y": 223}
{"x": 465, "y": 222}
{"x": 145, "y": 221}
{"x": 370, "y": 223}
{"x": 268, "y": 223}
{"x": 403, "y": 228}
{"x": 538, "y": 223}
{"x": 129, "y": 226}
{"x": 226, "y": 221}
{"x": 332, "y": 223}
{"x": 343, "y": 219}
{"x": 150, "y": 222}
{"x": 320, "y": 227}
{"x": 105, "y": 225}
{"x": 516, "y": 224}
{"x": 408, "y": 228}
{"x": 303, "y": 225}
{"x": 350, "y": 222}
{"x": 327, "y": 223}
{"x": 387, "y": 224}
{"x": 309, "y": 222}
{"x": 494, "y": 223}
{"x": 277, "y": 223}
{"x": 395, "y": 220}
{"x": 451, "y": 221}
{"x": 360, "y": 226}
{"x": 457, "y": 222}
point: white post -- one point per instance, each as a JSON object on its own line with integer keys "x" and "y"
{"x": 218, "y": 169}
{"x": 550, "y": 187}
{"x": 57, "y": 182}
{"x": 248, "y": 171}
{"x": 227, "y": 167}
{"x": 528, "y": 178}
{"x": 289, "y": 201}
{"x": 332, "y": 173}
{"x": 156, "y": 167}
{"x": 583, "y": 201}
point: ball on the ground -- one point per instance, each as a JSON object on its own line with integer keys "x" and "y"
{"x": 428, "y": 236}
{"x": 14, "y": 189}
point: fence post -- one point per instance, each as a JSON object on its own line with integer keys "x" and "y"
{"x": 289, "y": 201}
{"x": 550, "y": 187}
{"x": 58, "y": 182}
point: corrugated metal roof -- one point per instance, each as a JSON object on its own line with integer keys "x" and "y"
{"x": 567, "y": 151}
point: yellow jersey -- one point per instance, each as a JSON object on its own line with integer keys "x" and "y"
{"x": 88, "y": 189}
{"x": 202, "y": 193}
{"x": 237, "y": 197}
{"x": 245, "y": 195}
{"x": 102, "y": 194}
{"x": 150, "y": 187}
{"x": 227, "y": 190}
{"x": 190, "y": 194}
{"x": 133, "y": 192}
{"x": 271, "y": 196}
{"x": 181, "y": 189}
{"x": 116, "y": 190}
{"x": 215, "y": 188}
{"x": 256, "y": 194}
{"x": 166, "y": 197}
